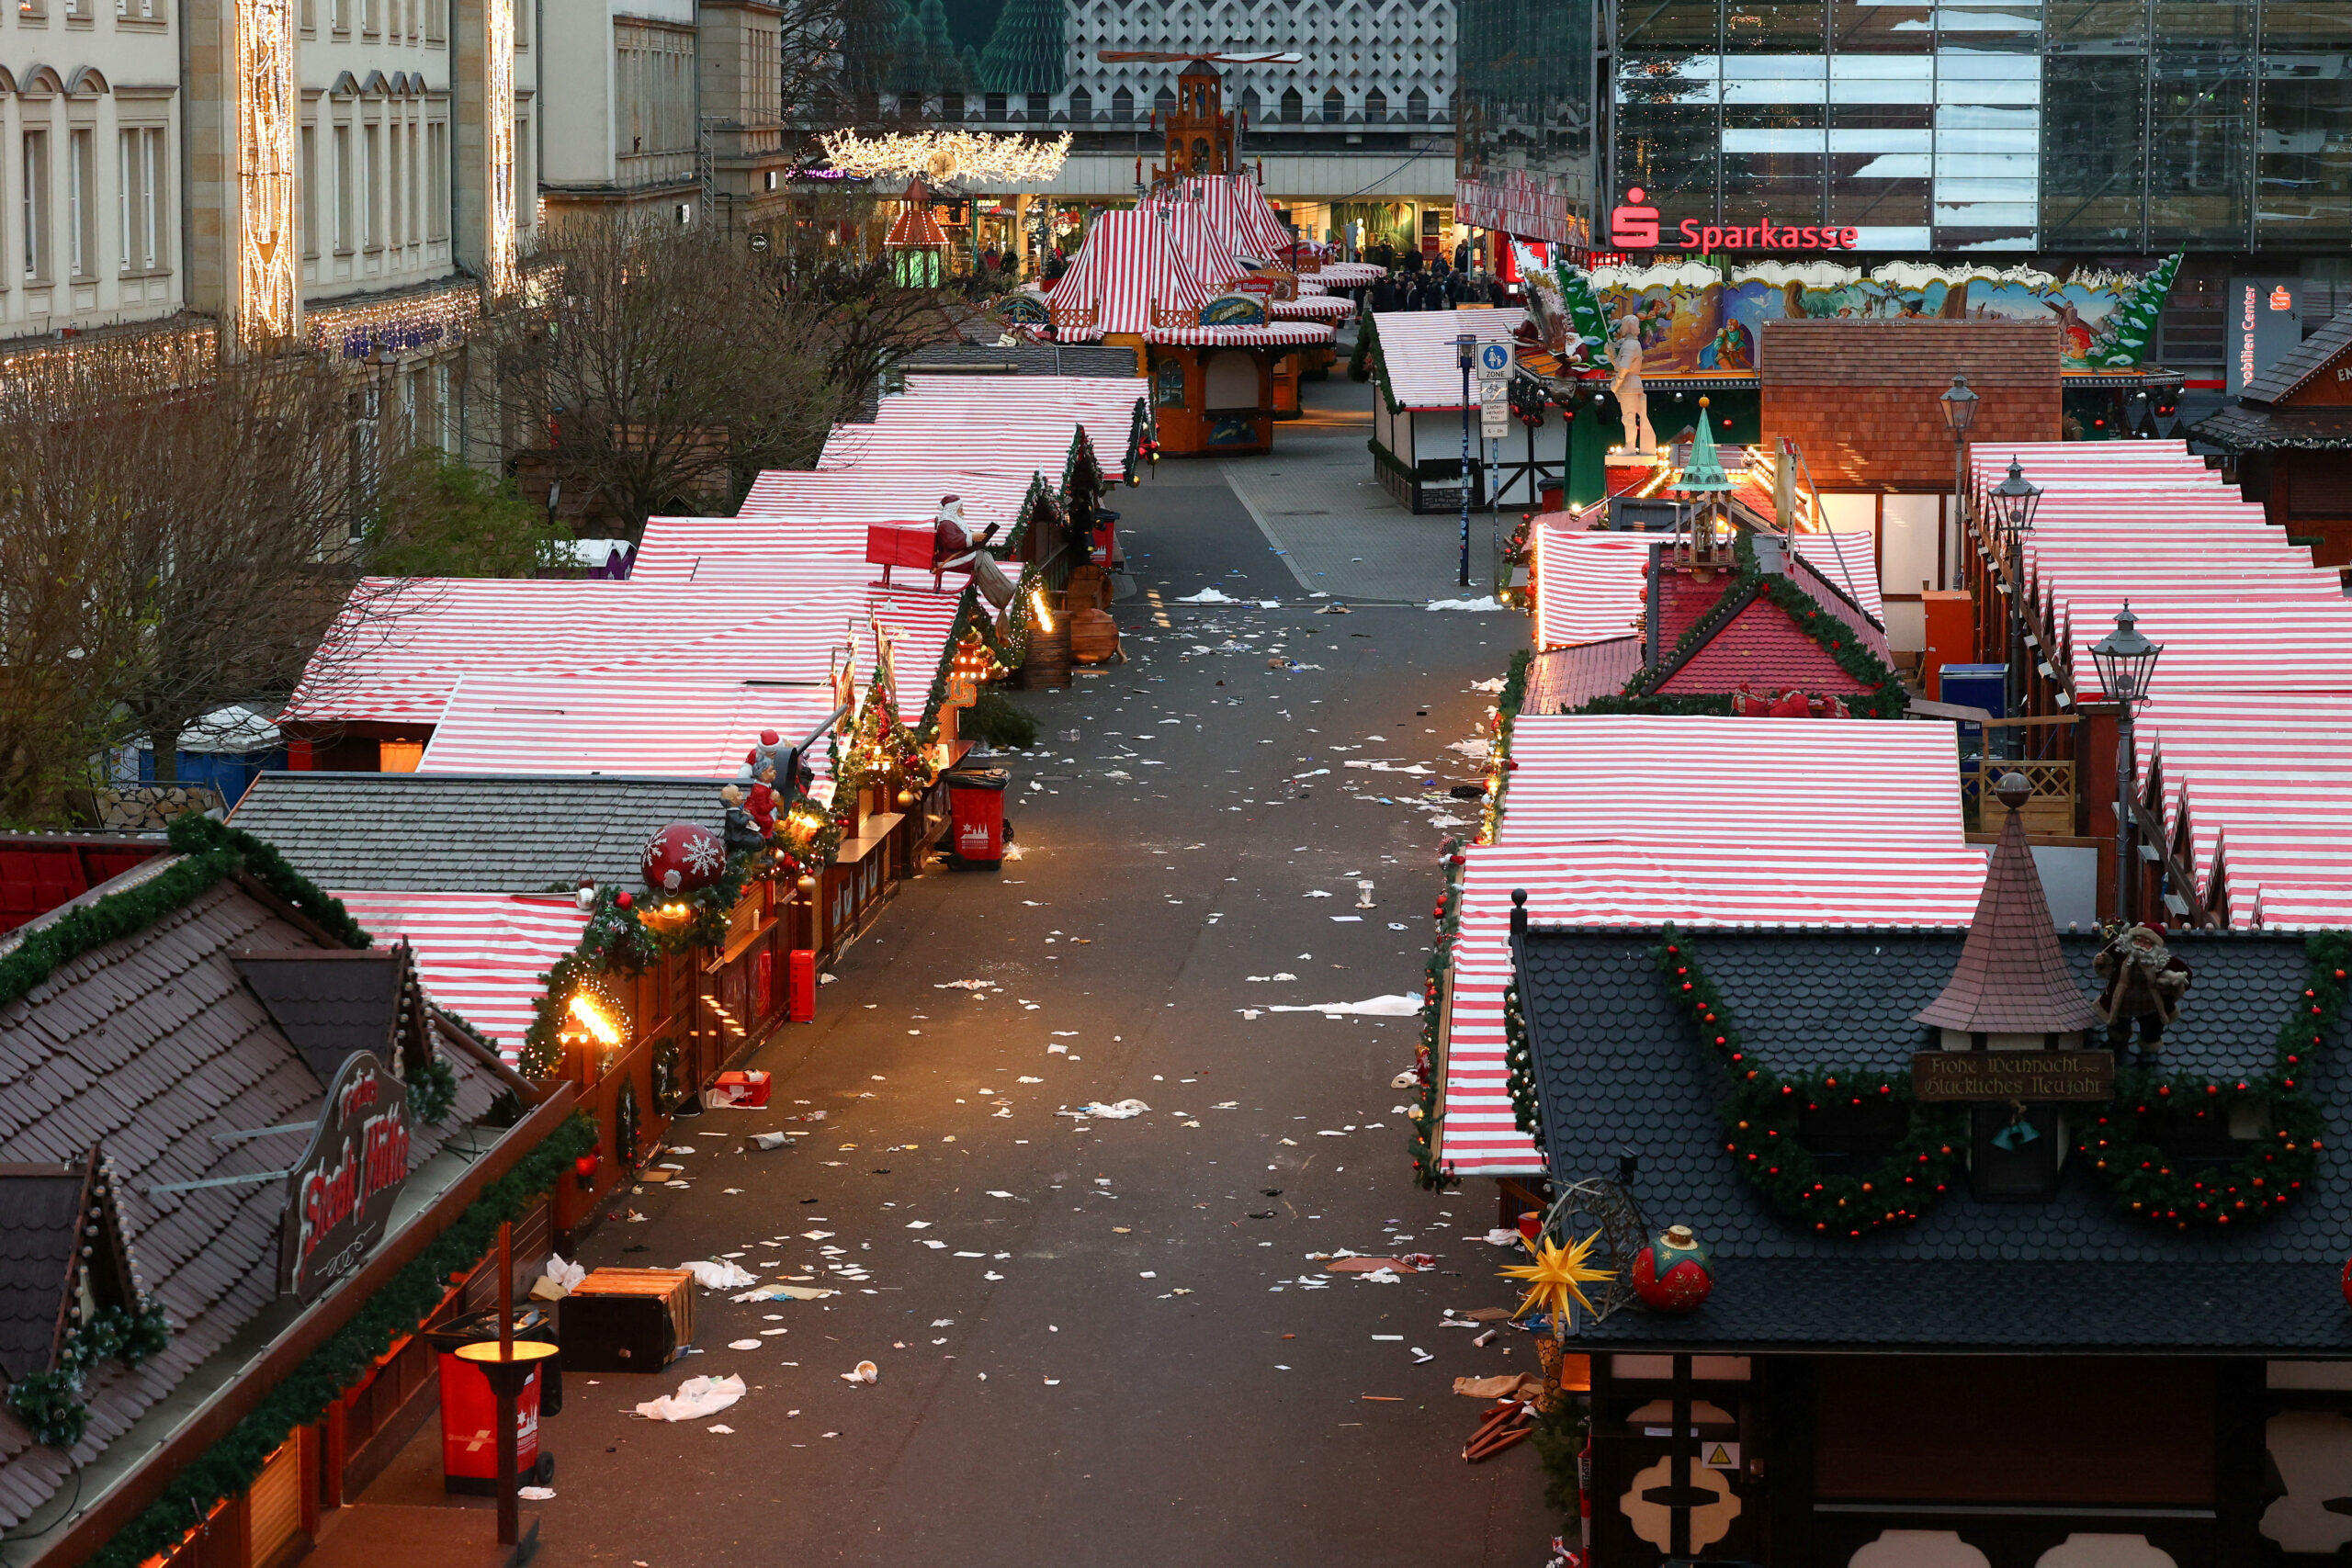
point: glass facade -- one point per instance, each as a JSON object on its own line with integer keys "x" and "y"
{"x": 2097, "y": 126}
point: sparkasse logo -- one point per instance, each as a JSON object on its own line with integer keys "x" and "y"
{"x": 1635, "y": 227}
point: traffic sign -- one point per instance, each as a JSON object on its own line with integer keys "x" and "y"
{"x": 1494, "y": 408}
{"x": 1494, "y": 361}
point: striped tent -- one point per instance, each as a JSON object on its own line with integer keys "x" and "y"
{"x": 1236, "y": 207}
{"x": 1129, "y": 277}
{"x": 2240, "y": 753}
{"x": 566, "y": 725}
{"x": 1209, "y": 255}
{"x": 1115, "y": 410}
{"x": 484, "y": 956}
{"x": 1747, "y": 824}
{"x": 1416, "y": 354}
{"x": 877, "y": 491}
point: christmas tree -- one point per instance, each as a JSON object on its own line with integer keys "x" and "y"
{"x": 866, "y": 53}
{"x": 943, "y": 72}
{"x": 1025, "y": 52}
{"x": 906, "y": 54}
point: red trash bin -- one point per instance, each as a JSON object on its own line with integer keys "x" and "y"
{"x": 976, "y": 815}
{"x": 469, "y": 1411}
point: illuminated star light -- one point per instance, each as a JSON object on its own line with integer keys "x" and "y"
{"x": 1558, "y": 1276}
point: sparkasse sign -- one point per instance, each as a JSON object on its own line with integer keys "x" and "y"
{"x": 339, "y": 1195}
{"x": 1635, "y": 227}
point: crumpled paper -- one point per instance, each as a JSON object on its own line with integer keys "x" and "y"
{"x": 1117, "y": 1112}
{"x": 718, "y": 1276}
{"x": 695, "y": 1398}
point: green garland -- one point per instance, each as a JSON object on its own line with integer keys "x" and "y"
{"x": 2124, "y": 1142}
{"x": 1423, "y": 1114}
{"x": 49, "y": 1403}
{"x": 1762, "y": 1115}
{"x": 667, "y": 1094}
{"x": 210, "y": 852}
{"x": 396, "y": 1309}
{"x": 1520, "y": 1060}
{"x": 1760, "y": 1122}
{"x": 432, "y": 1089}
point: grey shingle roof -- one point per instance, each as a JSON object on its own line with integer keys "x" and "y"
{"x": 1619, "y": 1066}
{"x": 147, "y": 1047}
{"x": 44, "y": 1209}
{"x": 2299, "y": 364}
{"x": 445, "y": 833}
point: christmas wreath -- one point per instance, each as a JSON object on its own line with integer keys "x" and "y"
{"x": 2124, "y": 1141}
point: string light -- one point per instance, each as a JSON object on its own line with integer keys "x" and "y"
{"x": 499, "y": 44}
{"x": 944, "y": 156}
{"x": 415, "y": 320}
{"x": 268, "y": 303}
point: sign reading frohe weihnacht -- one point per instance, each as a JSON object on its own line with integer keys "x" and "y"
{"x": 2013, "y": 1075}
{"x": 339, "y": 1196}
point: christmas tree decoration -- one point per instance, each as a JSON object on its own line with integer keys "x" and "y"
{"x": 682, "y": 857}
{"x": 943, "y": 68}
{"x": 1556, "y": 1279}
{"x": 1024, "y": 52}
{"x": 1673, "y": 1272}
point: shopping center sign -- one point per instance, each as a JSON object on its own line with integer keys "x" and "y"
{"x": 1635, "y": 227}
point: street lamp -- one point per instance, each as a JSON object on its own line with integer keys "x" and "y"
{"x": 1959, "y": 407}
{"x": 2126, "y": 668}
{"x": 2009, "y": 507}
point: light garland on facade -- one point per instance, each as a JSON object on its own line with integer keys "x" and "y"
{"x": 498, "y": 43}
{"x": 412, "y": 321}
{"x": 269, "y": 301}
{"x": 943, "y": 156}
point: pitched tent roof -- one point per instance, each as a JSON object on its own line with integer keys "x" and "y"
{"x": 2011, "y": 979}
{"x": 499, "y": 833}
{"x": 1236, "y": 210}
{"x": 1413, "y": 354}
{"x": 1707, "y": 821}
{"x": 483, "y": 956}
{"x": 877, "y": 491}
{"x": 147, "y": 1046}
{"x": 1130, "y": 271}
{"x": 1589, "y": 582}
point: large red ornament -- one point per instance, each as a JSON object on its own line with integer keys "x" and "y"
{"x": 1672, "y": 1274}
{"x": 682, "y": 857}
{"x": 2348, "y": 1282}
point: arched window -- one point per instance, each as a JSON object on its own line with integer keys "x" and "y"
{"x": 1417, "y": 106}
{"x": 1335, "y": 108}
{"x": 1123, "y": 106}
{"x": 1293, "y": 107}
{"x": 1081, "y": 106}
{"x": 1375, "y": 107}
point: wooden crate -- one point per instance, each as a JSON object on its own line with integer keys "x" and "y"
{"x": 628, "y": 1320}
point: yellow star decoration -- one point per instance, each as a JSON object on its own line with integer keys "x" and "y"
{"x": 1557, "y": 1275}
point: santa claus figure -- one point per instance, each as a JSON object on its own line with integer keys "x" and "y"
{"x": 2144, "y": 982}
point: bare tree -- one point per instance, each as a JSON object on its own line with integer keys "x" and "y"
{"x": 866, "y": 318}
{"x": 662, "y": 371}
{"x": 196, "y": 519}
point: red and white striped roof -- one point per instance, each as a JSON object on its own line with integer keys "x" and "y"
{"x": 566, "y": 725}
{"x": 1418, "y": 353}
{"x": 1589, "y": 584}
{"x": 1637, "y": 819}
{"x": 1351, "y": 275}
{"x": 1237, "y": 208}
{"x": 880, "y": 492}
{"x": 2246, "y": 721}
{"x": 953, "y": 438}
{"x": 1106, "y": 406}
{"x": 483, "y": 956}
{"x": 688, "y": 549}
{"x": 1205, "y": 250}
{"x": 1130, "y": 267}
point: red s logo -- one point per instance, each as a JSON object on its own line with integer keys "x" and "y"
{"x": 1633, "y": 227}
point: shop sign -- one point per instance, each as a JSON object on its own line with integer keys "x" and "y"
{"x": 2012, "y": 1074}
{"x": 339, "y": 1196}
{"x": 1635, "y": 227}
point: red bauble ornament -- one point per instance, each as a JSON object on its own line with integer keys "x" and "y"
{"x": 624, "y": 900}
{"x": 1672, "y": 1274}
{"x": 682, "y": 857}
{"x": 2348, "y": 1279}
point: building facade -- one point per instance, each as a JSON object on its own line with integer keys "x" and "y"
{"x": 673, "y": 111}
{"x": 2090, "y": 133}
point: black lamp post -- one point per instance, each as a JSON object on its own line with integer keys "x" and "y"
{"x": 2009, "y": 508}
{"x": 2127, "y": 667}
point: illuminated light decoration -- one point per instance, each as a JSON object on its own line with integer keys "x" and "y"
{"x": 498, "y": 24}
{"x": 943, "y": 156}
{"x": 269, "y": 301}
{"x": 1044, "y": 616}
{"x": 414, "y": 321}
{"x": 594, "y": 1019}
{"x": 589, "y": 1011}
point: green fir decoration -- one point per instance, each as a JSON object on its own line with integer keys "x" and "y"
{"x": 2123, "y": 337}
{"x": 229, "y": 1466}
{"x": 210, "y": 850}
{"x": 49, "y": 1403}
{"x": 1519, "y": 1059}
{"x": 432, "y": 1091}
{"x": 1584, "y": 306}
{"x": 667, "y": 1093}
{"x": 2125, "y": 1143}
{"x": 905, "y": 77}
{"x": 1424, "y": 1115}
{"x": 943, "y": 68}
{"x": 1761, "y": 1124}
{"x": 1026, "y": 51}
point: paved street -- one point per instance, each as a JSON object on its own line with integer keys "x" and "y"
{"x": 1094, "y": 1341}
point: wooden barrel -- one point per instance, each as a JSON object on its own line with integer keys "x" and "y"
{"x": 1094, "y": 638}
